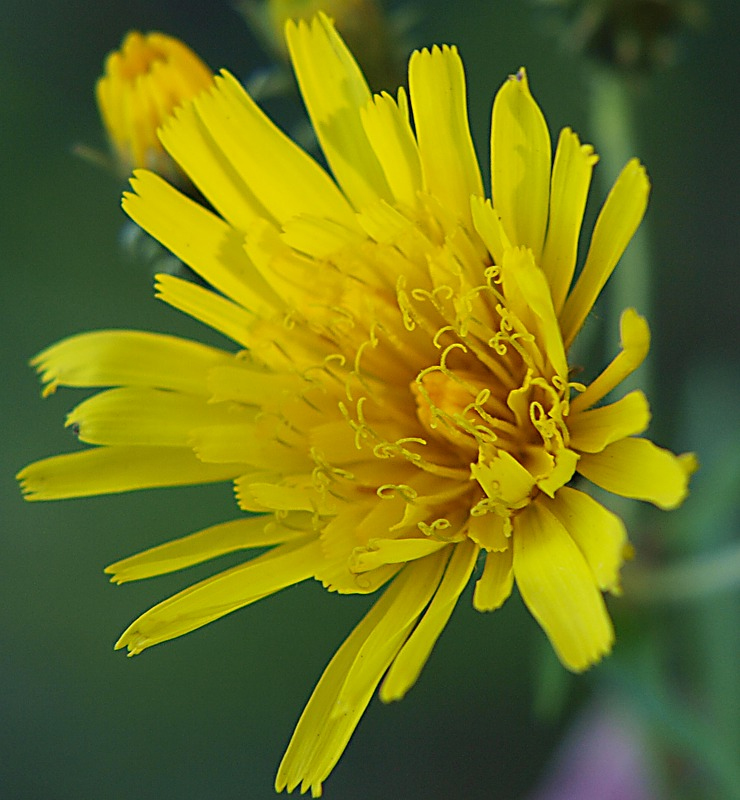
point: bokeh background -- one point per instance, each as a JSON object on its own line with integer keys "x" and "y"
{"x": 209, "y": 715}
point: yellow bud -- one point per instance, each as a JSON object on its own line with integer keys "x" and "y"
{"x": 144, "y": 81}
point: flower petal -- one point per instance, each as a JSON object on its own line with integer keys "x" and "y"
{"x": 259, "y": 496}
{"x": 388, "y": 128}
{"x": 591, "y": 431}
{"x": 490, "y": 531}
{"x": 504, "y": 479}
{"x": 138, "y": 415}
{"x": 564, "y": 467}
{"x": 129, "y": 358}
{"x": 347, "y": 685}
{"x": 408, "y": 664}
{"x": 528, "y": 294}
{"x": 635, "y": 336}
{"x": 599, "y": 534}
{"x": 494, "y": 586}
{"x": 488, "y": 224}
{"x": 212, "y": 542}
{"x": 334, "y": 90}
{"x": 238, "y": 382}
{"x": 396, "y": 626}
{"x": 206, "y": 306}
{"x": 187, "y": 139}
{"x": 559, "y": 588}
{"x": 203, "y": 241}
{"x": 639, "y": 469}
{"x": 438, "y": 99}
{"x": 571, "y": 177}
{"x": 245, "y": 444}
{"x": 285, "y": 180}
{"x": 619, "y": 219}
{"x": 520, "y": 164}
{"x": 221, "y": 594}
{"x": 109, "y": 470}
{"x": 392, "y": 551}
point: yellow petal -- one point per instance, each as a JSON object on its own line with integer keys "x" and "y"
{"x": 520, "y": 164}
{"x": 388, "y": 129}
{"x": 559, "y": 589}
{"x": 571, "y": 178}
{"x": 565, "y": 463}
{"x": 335, "y": 440}
{"x": 129, "y": 358}
{"x": 203, "y": 241}
{"x": 109, "y": 470}
{"x": 408, "y": 664}
{"x": 395, "y": 627}
{"x": 635, "y": 336}
{"x": 408, "y": 247}
{"x": 334, "y": 90}
{"x": 488, "y": 224}
{"x": 243, "y": 384}
{"x": 438, "y": 99}
{"x": 291, "y": 275}
{"x": 494, "y": 586}
{"x": 392, "y": 551}
{"x": 215, "y": 541}
{"x": 504, "y": 479}
{"x": 599, "y": 534}
{"x": 221, "y": 594}
{"x": 348, "y": 683}
{"x": 336, "y": 577}
{"x": 285, "y": 180}
{"x": 262, "y": 496}
{"x": 354, "y": 525}
{"x": 591, "y": 431}
{"x": 243, "y": 444}
{"x": 142, "y": 416}
{"x": 206, "y": 306}
{"x": 639, "y": 469}
{"x": 490, "y": 531}
{"x": 528, "y": 294}
{"x": 322, "y": 238}
{"x": 619, "y": 219}
{"x": 318, "y": 735}
{"x": 187, "y": 139}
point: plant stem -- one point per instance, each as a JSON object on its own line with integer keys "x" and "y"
{"x": 630, "y": 285}
{"x": 693, "y": 579}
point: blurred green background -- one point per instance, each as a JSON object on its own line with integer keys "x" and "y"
{"x": 209, "y": 715}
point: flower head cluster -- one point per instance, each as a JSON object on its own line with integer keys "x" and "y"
{"x": 144, "y": 81}
{"x": 400, "y": 413}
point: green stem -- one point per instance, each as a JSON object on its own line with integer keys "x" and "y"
{"x": 693, "y": 579}
{"x": 613, "y": 132}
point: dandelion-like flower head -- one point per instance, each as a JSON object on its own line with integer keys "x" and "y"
{"x": 400, "y": 409}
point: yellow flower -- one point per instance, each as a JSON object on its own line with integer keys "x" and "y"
{"x": 144, "y": 81}
{"x": 401, "y": 409}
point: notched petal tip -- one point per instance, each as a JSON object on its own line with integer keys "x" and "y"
{"x": 559, "y": 588}
{"x": 520, "y": 76}
{"x": 689, "y": 463}
{"x": 591, "y": 660}
{"x": 26, "y": 490}
{"x": 32, "y": 483}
